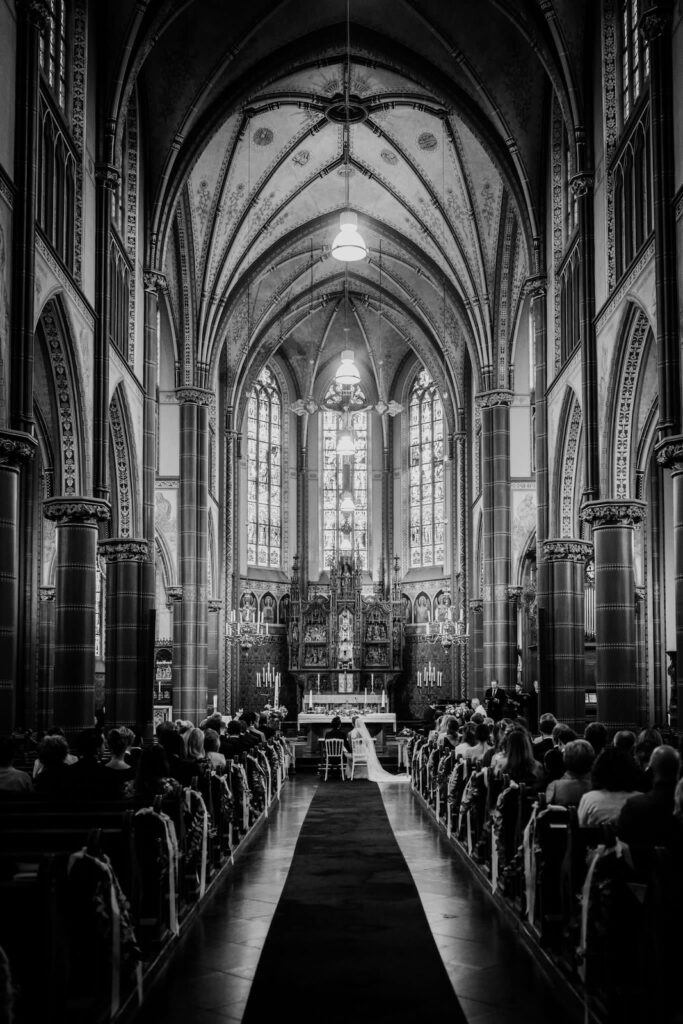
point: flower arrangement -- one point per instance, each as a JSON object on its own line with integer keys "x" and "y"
{"x": 272, "y": 712}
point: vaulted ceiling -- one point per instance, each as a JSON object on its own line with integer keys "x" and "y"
{"x": 247, "y": 172}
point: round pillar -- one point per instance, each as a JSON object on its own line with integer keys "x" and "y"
{"x": 670, "y": 453}
{"x": 563, "y": 679}
{"x": 77, "y": 520}
{"x": 613, "y": 524}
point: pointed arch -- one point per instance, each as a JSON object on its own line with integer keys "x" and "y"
{"x": 630, "y": 358}
{"x": 60, "y": 394}
{"x": 567, "y": 461}
{"x": 122, "y": 468}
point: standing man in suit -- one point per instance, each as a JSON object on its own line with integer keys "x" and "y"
{"x": 495, "y": 700}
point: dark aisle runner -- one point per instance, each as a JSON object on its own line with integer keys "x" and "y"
{"x": 349, "y": 940}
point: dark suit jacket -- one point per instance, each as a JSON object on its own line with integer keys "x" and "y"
{"x": 495, "y": 704}
{"x": 646, "y": 821}
{"x": 338, "y": 734}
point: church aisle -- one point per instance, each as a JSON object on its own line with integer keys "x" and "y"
{"x": 494, "y": 978}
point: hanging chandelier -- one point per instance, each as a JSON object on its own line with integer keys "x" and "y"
{"x": 348, "y": 245}
{"x": 347, "y": 374}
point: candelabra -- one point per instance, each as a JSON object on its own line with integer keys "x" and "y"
{"x": 246, "y": 634}
{"x": 447, "y": 632}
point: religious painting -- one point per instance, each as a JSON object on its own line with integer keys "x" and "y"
{"x": 407, "y": 609}
{"x": 248, "y": 607}
{"x": 268, "y": 608}
{"x": 423, "y": 608}
{"x": 283, "y": 611}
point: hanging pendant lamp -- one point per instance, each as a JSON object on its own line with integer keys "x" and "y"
{"x": 348, "y": 245}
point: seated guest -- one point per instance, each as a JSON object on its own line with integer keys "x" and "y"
{"x": 172, "y": 742}
{"x": 578, "y": 760}
{"x": 249, "y": 717}
{"x": 468, "y": 740}
{"x": 494, "y": 754}
{"x": 190, "y": 765}
{"x": 613, "y": 781}
{"x": 11, "y": 779}
{"x": 544, "y": 741}
{"x": 646, "y": 742}
{"x": 70, "y": 758}
{"x": 86, "y": 776}
{"x": 53, "y": 779}
{"x": 152, "y": 778}
{"x": 118, "y": 775}
{"x": 264, "y": 727}
{"x": 518, "y": 761}
{"x": 234, "y": 744}
{"x": 553, "y": 762}
{"x": 596, "y": 734}
{"x": 647, "y": 819}
{"x": 481, "y": 743}
{"x": 451, "y": 737}
{"x": 211, "y": 748}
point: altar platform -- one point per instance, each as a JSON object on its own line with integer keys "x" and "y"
{"x": 315, "y": 723}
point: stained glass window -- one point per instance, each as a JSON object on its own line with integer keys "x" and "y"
{"x": 53, "y": 49}
{"x": 426, "y": 474}
{"x": 345, "y": 532}
{"x": 264, "y": 473}
{"x": 635, "y": 56}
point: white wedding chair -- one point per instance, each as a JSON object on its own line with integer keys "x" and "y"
{"x": 359, "y": 755}
{"x": 334, "y": 756}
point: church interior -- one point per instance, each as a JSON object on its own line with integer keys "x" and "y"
{"x": 340, "y": 375}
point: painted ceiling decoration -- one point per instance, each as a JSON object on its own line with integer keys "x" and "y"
{"x": 249, "y": 169}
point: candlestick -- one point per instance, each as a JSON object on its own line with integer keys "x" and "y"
{"x": 215, "y": 702}
{"x": 372, "y": 681}
{"x": 310, "y": 700}
{"x": 384, "y": 699}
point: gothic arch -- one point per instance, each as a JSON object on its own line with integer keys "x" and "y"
{"x": 567, "y": 460}
{"x": 122, "y": 468}
{"x": 629, "y": 359}
{"x": 60, "y": 394}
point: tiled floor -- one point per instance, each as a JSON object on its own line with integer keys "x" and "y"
{"x": 494, "y": 978}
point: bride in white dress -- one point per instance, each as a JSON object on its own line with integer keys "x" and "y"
{"x": 376, "y": 773}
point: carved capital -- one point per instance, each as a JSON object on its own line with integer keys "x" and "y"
{"x": 174, "y": 595}
{"x": 46, "y": 594}
{"x": 581, "y": 184}
{"x": 215, "y": 604}
{"x": 476, "y": 605}
{"x": 613, "y": 513}
{"x": 669, "y": 452}
{"x": 194, "y": 396}
{"x": 566, "y": 550}
{"x": 493, "y": 399}
{"x": 107, "y": 175}
{"x": 77, "y": 509}
{"x": 16, "y": 447}
{"x": 124, "y": 549}
{"x": 514, "y": 594}
{"x": 536, "y": 286}
{"x": 36, "y": 12}
{"x": 655, "y": 22}
{"x": 154, "y": 281}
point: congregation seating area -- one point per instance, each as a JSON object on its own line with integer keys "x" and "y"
{"x": 95, "y": 893}
{"x": 608, "y": 932}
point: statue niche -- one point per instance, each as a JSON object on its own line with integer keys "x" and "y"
{"x": 345, "y": 641}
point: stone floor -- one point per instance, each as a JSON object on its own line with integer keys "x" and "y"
{"x": 495, "y": 979}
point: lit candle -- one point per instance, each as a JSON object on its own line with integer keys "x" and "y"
{"x": 215, "y": 702}
{"x": 372, "y": 681}
{"x": 384, "y": 699}
{"x": 310, "y": 700}
{"x": 366, "y": 696}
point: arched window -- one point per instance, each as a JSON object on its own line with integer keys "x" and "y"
{"x": 635, "y": 57}
{"x": 53, "y": 50}
{"x": 345, "y": 483}
{"x": 426, "y": 468}
{"x": 264, "y": 469}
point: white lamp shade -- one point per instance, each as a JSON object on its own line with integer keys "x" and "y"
{"x": 348, "y": 245}
{"x": 347, "y": 372}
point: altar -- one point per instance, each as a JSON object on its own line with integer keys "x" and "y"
{"x": 318, "y": 721}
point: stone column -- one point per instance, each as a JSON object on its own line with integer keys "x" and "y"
{"x": 476, "y": 648}
{"x": 106, "y": 180}
{"x": 15, "y": 449}
{"x": 613, "y": 524}
{"x": 174, "y": 597}
{"x": 563, "y": 680}
{"x": 459, "y": 534}
{"x": 539, "y": 314}
{"x": 46, "y": 630}
{"x": 670, "y": 453}
{"x": 655, "y": 26}
{"x": 499, "y": 660}
{"x": 129, "y": 684}
{"x": 77, "y": 519}
{"x": 214, "y": 638}
{"x": 193, "y": 552}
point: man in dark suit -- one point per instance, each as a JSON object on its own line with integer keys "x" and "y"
{"x": 646, "y": 820}
{"x": 495, "y": 701}
{"x": 337, "y": 733}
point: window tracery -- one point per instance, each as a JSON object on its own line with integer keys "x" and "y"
{"x": 345, "y": 530}
{"x": 426, "y": 473}
{"x": 264, "y": 473}
{"x": 53, "y": 49}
